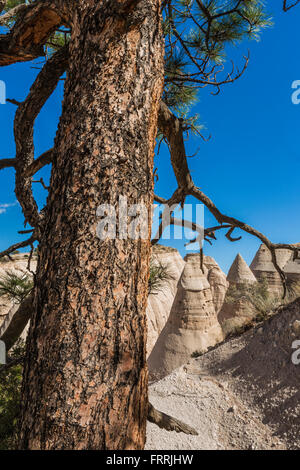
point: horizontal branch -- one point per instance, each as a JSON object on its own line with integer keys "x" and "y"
{"x": 172, "y": 130}
{"x": 7, "y": 163}
{"x": 167, "y": 219}
{"x": 39, "y": 163}
{"x": 17, "y": 246}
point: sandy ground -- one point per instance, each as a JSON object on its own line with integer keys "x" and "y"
{"x": 244, "y": 394}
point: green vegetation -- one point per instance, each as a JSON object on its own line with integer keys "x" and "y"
{"x": 256, "y": 295}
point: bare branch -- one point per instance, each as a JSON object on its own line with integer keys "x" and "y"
{"x": 26, "y": 114}
{"x": 41, "y": 181}
{"x": 171, "y": 127}
{"x": 230, "y": 238}
{"x": 23, "y": 232}
{"x": 287, "y": 7}
{"x": 12, "y": 101}
{"x": 37, "y": 164}
{"x": 16, "y": 246}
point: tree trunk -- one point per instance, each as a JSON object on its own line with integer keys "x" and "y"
{"x": 85, "y": 379}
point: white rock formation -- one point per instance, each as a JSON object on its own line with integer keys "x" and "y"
{"x": 263, "y": 268}
{"x": 160, "y": 303}
{"x": 218, "y": 282}
{"x": 292, "y": 270}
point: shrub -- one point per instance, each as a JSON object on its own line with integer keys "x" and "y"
{"x": 258, "y": 304}
{"x": 256, "y": 295}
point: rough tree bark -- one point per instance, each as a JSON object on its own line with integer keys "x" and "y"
{"x": 85, "y": 380}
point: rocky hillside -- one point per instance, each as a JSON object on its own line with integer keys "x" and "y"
{"x": 244, "y": 394}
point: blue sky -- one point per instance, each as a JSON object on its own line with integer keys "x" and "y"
{"x": 251, "y": 165}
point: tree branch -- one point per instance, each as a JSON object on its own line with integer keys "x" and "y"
{"x": 12, "y": 12}
{"x": 16, "y": 321}
{"x": 36, "y": 165}
{"x": 287, "y": 7}
{"x": 26, "y": 114}
{"x": 7, "y": 163}
{"x": 172, "y": 129}
{"x": 39, "y": 163}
